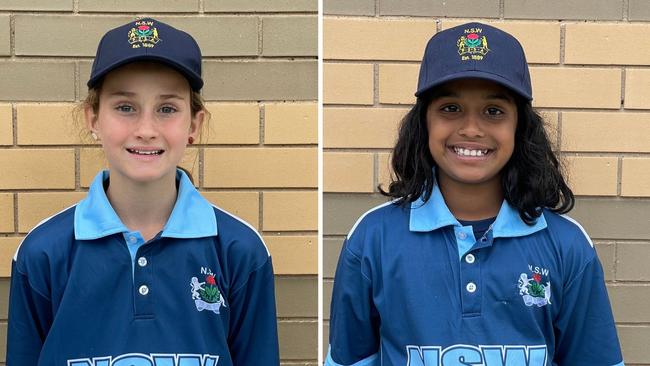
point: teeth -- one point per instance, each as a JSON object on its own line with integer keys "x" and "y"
{"x": 145, "y": 152}
{"x": 468, "y": 152}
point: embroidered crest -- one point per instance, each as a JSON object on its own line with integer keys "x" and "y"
{"x": 206, "y": 294}
{"x": 144, "y": 34}
{"x": 472, "y": 45}
{"x": 532, "y": 290}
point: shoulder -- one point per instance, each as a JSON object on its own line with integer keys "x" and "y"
{"x": 239, "y": 237}
{"x": 46, "y": 237}
{"x": 387, "y": 216}
{"x": 565, "y": 228}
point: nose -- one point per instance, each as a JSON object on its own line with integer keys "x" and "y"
{"x": 146, "y": 126}
{"x": 471, "y": 126}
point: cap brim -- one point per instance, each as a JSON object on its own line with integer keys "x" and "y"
{"x": 196, "y": 83}
{"x": 476, "y": 75}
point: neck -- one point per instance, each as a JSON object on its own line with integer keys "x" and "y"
{"x": 472, "y": 201}
{"x": 143, "y": 207}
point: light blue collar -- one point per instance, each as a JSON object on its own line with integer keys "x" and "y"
{"x": 434, "y": 214}
{"x": 191, "y": 217}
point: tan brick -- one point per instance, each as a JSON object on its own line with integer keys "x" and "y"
{"x": 397, "y": 83}
{"x": 293, "y": 255}
{"x": 298, "y": 340}
{"x": 560, "y": 9}
{"x": 607, "y": 253}
{"x": 606, "y": 44}
{"x": 245, "y": 205}
{"x": 233, "y": 124}
{"x": 593, "y": 176}
{"x": 5, "y": 32}
{"x": 190, "y": 162}
{"x": 629, "y": 302}
{"x": 635, "y": 180}
{"x": 348, "y": 83}
{"x": 634, "y": 342}
{"x": 290, "y": 36}
{"x": 384, "y": 170}
{"x": 8, "y": 247}
{"x": 32, "y": 5}
{"x": 540, "y": 40}
{"x": 373, "y": 39}
{"x": 291, "y": 123}
{"x": 260, "y": 80}
{"x": 260, "y": 167}
{"x": 91, "y": 161}
{"x": 39, "y": 81}
{"x": 576, "y": 87}
{"x": 34, "y": 207}
{"x": 6, "y": 213}
{"x": 84, "y": 75}
{"x": 290, "y": 211}
{"x": 222, "y": 35}
{"x": 631, "y": 260}
{"x": 260, "y": 5}
{"x": 37, "y": 168}
{"x": 442, "y": 8}
{"x": 361, "y": 127}
{"x": 551, "y": 125}
{"x": 61, "y": 35}
{"x": 123, "y": 6}
{"x": 46, "y": 124}
{"x": 637, "y": 89}
{"x": 348, "y": 172}
{"x": 605, "y": 131}
{"x": 6, "y": 125}
{"x": 345, "y": 7}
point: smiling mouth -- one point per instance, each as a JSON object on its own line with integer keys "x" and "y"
{"x": 466, "y": 152}
{"x": 145, "y": 152}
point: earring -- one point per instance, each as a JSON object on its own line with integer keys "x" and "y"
{"x": 190, "y": 140}
{"x": 94, "y": 136}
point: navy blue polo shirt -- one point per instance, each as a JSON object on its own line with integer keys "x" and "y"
{"x": 86, "y": 291}
{"x": 414, "y": 287}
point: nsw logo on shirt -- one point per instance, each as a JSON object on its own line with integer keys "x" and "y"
{"x": 139, "y": 359}
{"x": 462, "y": 354}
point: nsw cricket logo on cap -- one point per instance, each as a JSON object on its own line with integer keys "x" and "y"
{"x": 143, "y": 34}
{"x": 206, "y": 293}
{"x": 472, "y": 44}
{"x": 533, "y": 290}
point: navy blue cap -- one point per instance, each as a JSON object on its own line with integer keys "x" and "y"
{"x": 475, "y": 50}
{"x": 148, "y": 40}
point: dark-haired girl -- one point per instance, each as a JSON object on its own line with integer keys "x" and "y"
{"x": 472, "y": 262}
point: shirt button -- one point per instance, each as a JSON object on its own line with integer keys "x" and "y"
{"x": 142, "y": 261}
{"x": 143, "y": 290}
{"x": 132, "y": 239}
{"x": 470, "y": 258}
{"x": 462, "y": 235}
{"x": 471, "y": 287}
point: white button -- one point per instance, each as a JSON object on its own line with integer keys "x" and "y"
{"x": 471, "y": 287}
{"x": 469, "y": 258}
{"x": 143, "y": 290}
{"x": 462, "y": 235}
{"x": 142, "y": 261}
{"x": 132, "y": 239}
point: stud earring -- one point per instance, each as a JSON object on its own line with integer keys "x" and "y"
{"x": 190, "y": 140}
{"x": 94, "y": 136}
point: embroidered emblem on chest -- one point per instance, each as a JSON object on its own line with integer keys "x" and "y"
{"x": 472, "y": 45}
{"x": 206, "y": 294}
{"x": 537, "y": 289}
{"x": 144, "y": 34}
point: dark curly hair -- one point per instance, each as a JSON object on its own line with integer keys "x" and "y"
{"x": 531, "y": 180}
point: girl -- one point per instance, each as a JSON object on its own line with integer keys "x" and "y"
{"x": 143, "y": 271}
{"x": 472, "y": 262}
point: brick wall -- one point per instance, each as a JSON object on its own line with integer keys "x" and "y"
{"x": 591, "y": 80}
{"x": 260, "y": 157}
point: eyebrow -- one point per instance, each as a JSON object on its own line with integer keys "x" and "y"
{"x": 131, "y": 94}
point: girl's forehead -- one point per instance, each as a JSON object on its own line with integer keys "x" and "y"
{"x": 146, "y": 76}
{"x": 473, "y": 87}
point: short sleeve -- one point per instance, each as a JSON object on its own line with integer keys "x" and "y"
{"x": 354, "y": 320}
{"x": 30, "y": 318}
{"x": 253, "y": 338}
{"x": 585, "y": 329}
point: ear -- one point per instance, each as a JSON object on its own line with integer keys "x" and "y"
{"x": 91, "y": 119}
{"x": 196, "y": 123}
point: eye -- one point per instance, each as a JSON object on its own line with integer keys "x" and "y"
{"x": 494, "y": 111}
{"x": 124, "y": 108}
{"x": 167, "y": 109}
{"x": 450, "y": 108}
